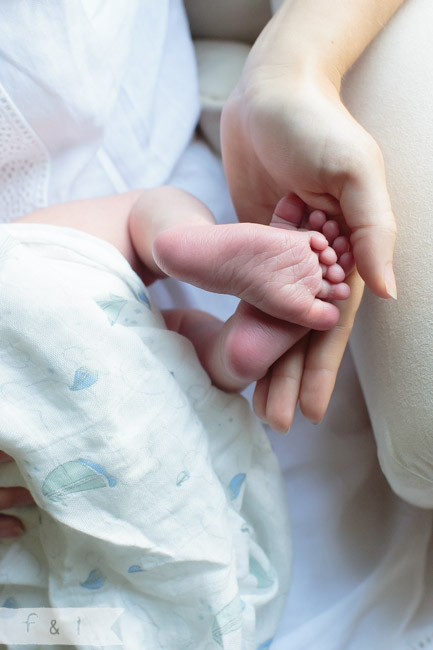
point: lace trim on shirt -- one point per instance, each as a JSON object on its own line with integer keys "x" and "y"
{"x": 24, "y": 164}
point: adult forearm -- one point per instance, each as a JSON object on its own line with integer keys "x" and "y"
{"x": 328, "y": 35}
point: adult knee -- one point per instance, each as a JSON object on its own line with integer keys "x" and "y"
{"x": 405, "y": 452}
{"x": 395, "y": 368}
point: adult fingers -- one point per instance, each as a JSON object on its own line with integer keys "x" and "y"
{"x": 260, "y": 396}
{"x": 15, "y": 497}
{"x": 324, "y": 355}
{"x": 10, "y": 527}
{"x": 283, "y": 390}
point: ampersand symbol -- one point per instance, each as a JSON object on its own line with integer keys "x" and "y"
{"x": 53, "y": 626}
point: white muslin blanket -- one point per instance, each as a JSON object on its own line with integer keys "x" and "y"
{"x": 157, "y": 493}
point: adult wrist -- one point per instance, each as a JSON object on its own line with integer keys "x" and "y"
{"x": 324, "y": 37}
{"x": 285, "y": 51}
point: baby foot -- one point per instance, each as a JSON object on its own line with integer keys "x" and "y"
{"x": 254, "y": 340}
{"x": 283, "y": 271}
{"x": 275, "y": 272}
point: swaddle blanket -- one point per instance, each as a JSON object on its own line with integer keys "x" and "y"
{"x": 157, "y": 492}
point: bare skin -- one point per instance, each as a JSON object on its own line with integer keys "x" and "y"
{"x": 284, "y": 276}
{"x": 286, "y": 131}
{"x": 259, "y": 266}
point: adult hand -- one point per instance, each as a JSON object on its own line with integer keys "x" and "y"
{"x": 295, "y": 135}
{"x": 284, "y": 128}
{"x": 290, "y": 132}
{"x": 12, "y": 497}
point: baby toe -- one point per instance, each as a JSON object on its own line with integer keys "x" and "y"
{"x": 318, "y": 242}
{"x": 331, "y": 230}
{"x": 316, "y": 220}
{"x": 347, "y": 262}
{"x": 288, "y": 212}
{"x": 323, "y": 315}
{"x": 328, "y": 256}
{"x": 335, "y": 274}
{"x": 331, "y": 291}
{"x": 339, "y": 291}
{"x": 341, "y": 245}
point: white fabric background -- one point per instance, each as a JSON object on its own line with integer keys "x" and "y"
{"x": 362, "y": 557}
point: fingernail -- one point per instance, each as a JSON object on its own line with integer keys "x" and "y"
{"x": 8, "y": 529}
{"x": 390, "y": 284}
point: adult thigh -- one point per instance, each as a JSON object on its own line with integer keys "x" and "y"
{"x": 390, "y": 91}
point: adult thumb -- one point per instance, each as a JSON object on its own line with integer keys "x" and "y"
{"x": 366, "y": 207}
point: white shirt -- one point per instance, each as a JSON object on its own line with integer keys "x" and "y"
{"x": 96, "y": 96}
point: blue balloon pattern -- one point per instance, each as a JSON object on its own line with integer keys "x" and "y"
{"x": 95, "y": 580}
{"x": 84, "y": 378}
{"x": 236, "y": 485}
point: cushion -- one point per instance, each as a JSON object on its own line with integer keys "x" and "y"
{"x": 233, "y": 20}
{"x": 220, "y": 64}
